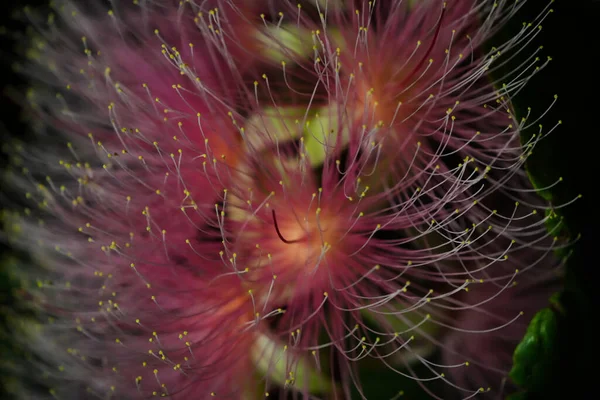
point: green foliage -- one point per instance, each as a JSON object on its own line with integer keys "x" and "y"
{"x": 534, "y": 355}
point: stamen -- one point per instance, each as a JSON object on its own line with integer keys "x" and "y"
{"x": 420, "y": 63}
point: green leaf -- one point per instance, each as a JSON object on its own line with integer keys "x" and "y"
{"x": 532, "y": 359}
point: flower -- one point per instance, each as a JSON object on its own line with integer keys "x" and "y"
{"x": 250, "y": 199}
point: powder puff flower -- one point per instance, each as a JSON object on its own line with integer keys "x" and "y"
{"x": 232, "y": 198}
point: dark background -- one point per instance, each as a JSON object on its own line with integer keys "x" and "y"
{"x": 572, "y": 37}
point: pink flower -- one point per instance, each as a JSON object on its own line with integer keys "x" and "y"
{"x": 222, "y": 186}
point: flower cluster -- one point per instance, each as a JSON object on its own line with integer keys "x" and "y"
{"x": 240, "y": 199}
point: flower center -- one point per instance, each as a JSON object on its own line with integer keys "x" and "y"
{"x": 310, "y": 235}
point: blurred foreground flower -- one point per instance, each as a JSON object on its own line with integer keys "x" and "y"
{"x": 261, "y": 198}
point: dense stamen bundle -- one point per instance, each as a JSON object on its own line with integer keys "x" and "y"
{"x": 257, "y": 198}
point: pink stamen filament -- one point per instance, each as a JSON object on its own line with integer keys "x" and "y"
{"x": 420, "y": 63}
